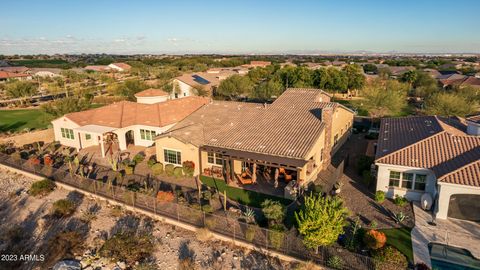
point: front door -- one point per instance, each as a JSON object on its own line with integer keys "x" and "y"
{"x": 129, "y": 138}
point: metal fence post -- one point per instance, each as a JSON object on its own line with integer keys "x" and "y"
{"x": 178, "y": 216}
{"x": 154, "y": 205}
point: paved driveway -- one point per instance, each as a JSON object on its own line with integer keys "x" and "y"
{"x": 453, "y": 232}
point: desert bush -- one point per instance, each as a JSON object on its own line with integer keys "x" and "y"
{"x": 138, "y": 158}
{"x": 379, "y": 196}
{"x": 250, "y": 232}
{"x": 178, "y": 172}
{"x": 151, "y": 162}
{"x": 389, "y": 258}
{"x": 374, "y": 239}
{"x": 63, "y": 244}
{"x": 48, "y": 160}
{"x": 169, "y": 169}
{"x": 157, "y": 168}
{"x": 203, "y": 234}
{"x": 364, "y": 163}
{"x": 399, "y": 200}
{"x": 128, "y": 247}
{"x": 188, "y": 168}
{"x": 116, "y": 211}
{"x": 42, "y": 187}
{"x": 210, "y": 223}
{"x": 63, "y": 208}
{"x": 367, "y": 178}
{"x": 276, "y": 235}
{"x": 186, "y": 264}
{"x": 335, "y": 262}
{"x": 207, "y": 208}
{"x": 398, "y": 217}
{"x": 307, "y": 266}
{"x": 165, "y": 196}
{"x": 34, "y": 160}
{"x": 129, "y": 170}
{"x": 273, "y": 210}
{"x": 373, "y": 225}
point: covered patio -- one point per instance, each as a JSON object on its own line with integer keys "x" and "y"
{"x": 95, "y": 135}
{"x": 257, "y": 172}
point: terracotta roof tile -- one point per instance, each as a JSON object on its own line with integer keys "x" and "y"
{"x": 151, "y": 92}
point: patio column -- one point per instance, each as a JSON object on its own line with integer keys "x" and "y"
{"x": 102, "y": 146}
{"x": 254, "y": 173}
{"x": 79, "y": 140}
{"x": 277, "y": 173}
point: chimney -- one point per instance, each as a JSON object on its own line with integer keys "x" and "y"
{"x": 327, "y": 118}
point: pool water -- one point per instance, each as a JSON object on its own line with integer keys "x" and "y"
{"x": 445, "y": 257}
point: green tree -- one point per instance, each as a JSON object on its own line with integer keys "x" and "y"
{"x": 321, "y": 220}
{"x": 449, "y": 104}
{"x": 274, "y": 211}
{"x": 370, "y": 68}
{"x": 129, "y": 88}
{"x": 235, "y": 86}
{"x": 355, "y": 77}
{"x": 268, "y": 89}
{"x": 66, "y": 105}
{"x": 424, "y": 85}
{"x": 21, "y": 89}
{"x": 409, "y": 77}
{"x": 384, "y": 97}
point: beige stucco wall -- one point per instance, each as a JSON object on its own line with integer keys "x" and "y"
{"x": 185, "y": 89}
{"x": 152, "y": 100}
{"x": 64, "y": 122}
{"x": 121, "y": 132}
{"x": 383, "y": 178}
{"x": 189, "y": 151}
{"x": 342, "y": 125}
{"x": 445, "y": 191}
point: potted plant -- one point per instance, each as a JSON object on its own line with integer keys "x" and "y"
{"x": 338, "y": 187}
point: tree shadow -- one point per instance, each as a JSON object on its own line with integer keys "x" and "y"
{"x": 185, "y": 252}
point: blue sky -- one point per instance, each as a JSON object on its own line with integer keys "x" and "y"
{"x": 239, "y": 26}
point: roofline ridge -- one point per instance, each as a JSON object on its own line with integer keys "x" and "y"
{"x": 458, "y": 169}
{"x": 414, "y": 144}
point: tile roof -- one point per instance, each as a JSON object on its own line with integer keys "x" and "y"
{"x": 288, "y": 127}
{"x": 126, "y": 113}
{"x": 97, "y": 68}
{"x": 21, "y": 69}
{"x": 151, "y": 92}
{"x": 430, "y": 142}
{"x": 7, "y": 75}
{"x": 122, "y": 65}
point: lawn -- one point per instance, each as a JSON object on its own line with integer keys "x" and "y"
{"x": 245, "y": 197}
{"x": 401, "y": 240}
{"x": 17, "y": 120}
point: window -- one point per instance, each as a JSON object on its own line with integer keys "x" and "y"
{"x": 407, "y": 179}
{"x": 88, "y": 136}
{"x": 147, "y": 134}
{"x": 394, "y": 179}
{"x": 171, "y": 156}
{"x": 215, "y": 158}
{"x": 420, "y": 180}
{"x": 67, "y": 133}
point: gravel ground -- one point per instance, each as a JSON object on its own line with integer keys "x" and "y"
{"x": 171, "y": 243}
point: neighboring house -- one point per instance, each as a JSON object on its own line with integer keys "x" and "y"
{"x": 186, "y": 84}
{"x": 45, "y": 72}
{"x": 458, "y": 80}
{"x": 129, "y": 122}
{"x": 297, "y": 134}
{"x": 433, "y": 72}
{"x": 20, "y": 69}
{"x": 435, "y": 156}
{"x": 7, "y": 76}
{"x": 396, "y": 72}
{"x": 255, "y": 64}
{"x": 122, "y": 67}
{"x": 97, "y": 68}
{"x": 223, "y": 73}
{"x": 151, "y": 96}
{"x": 312, "y": 66}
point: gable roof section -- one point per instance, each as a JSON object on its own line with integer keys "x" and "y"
{"x": 151, "y": 92}
{"x": 437, "y": 145}
{"x": 126, "y": 113}
{"x": 289, "y": 127}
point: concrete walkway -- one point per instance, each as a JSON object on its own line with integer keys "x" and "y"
{"x": 452, "y": 232}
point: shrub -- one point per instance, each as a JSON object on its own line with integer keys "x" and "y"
{"x": 138, "y": 158}
{"x": 363, "y": 164}
{"x": 178, "y": 172}
{"x": 157, "y": 168}
{"x": 165, "y": 196}
{"x": 373, "y": 225}
{"x": 273, "y": 210}
{"x": 318, "y": 189}
{"x": 207, "y": 208}
{"x": 210, "y": 223}
{"x": 399, "y": 200}
{"x": 42, "y": 187}
{"x": 127, "y": 247}
{"x": 367, "y": 178}
{"x": 129, "y": 170}
{"x": 389, "y": 258}
{"x": 116, "y": 211}
{"x": 379, "y": 196}
{"x": 188, "y": 168}
{"x": 169, "y": 169}
{"x": 335, "y": 262}
{"x": 250, "y": 232}
{"x": 275, "y": 235}
{"x": 398, "y": 217}
{"x": 203, "y": 234}
{"x": 63, "y": 208}
{"x": 151, "y": 162}
{"x": 48, "y": 160}
{"x": 34, "y": 161}
{"x": 374, "y": 239}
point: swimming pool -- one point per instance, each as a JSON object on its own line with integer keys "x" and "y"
{"x": 445, "y": 257}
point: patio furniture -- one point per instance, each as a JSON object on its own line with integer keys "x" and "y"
{"x": 245, "y": 179}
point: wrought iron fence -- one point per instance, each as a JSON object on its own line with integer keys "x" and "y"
{"x": 287, "y": 243}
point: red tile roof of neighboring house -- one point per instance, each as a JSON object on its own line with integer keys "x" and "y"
{"x": 9, "y": 75}
{"x": 151, "y": 92}
{"x": 124, "y": 66}
{"x": 431, "y": 142}
{"x": 15, "y": 69}
{"x": 97, "y": 68}
{"x": 126, "y": 113}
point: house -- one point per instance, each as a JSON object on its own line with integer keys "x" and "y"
{"x": 128, "y": 123}
{"x": 433, "y": 72}
{"x": 255, "y": 64}
{"x": 396, "y": 72}
{"x": 431, "y": 158}
{"x": 152, "y": 96}
{"x": 295, "y": 135}
{"x": 458, "y": 80}
{"x": 7, "y": 76}
{"x": 120, "y": 67}
{"x": 19, "y": 69}
{"x": 45, "y": 72}
{"x": 312, "y": 66}
{"x": 187, "y": 84}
